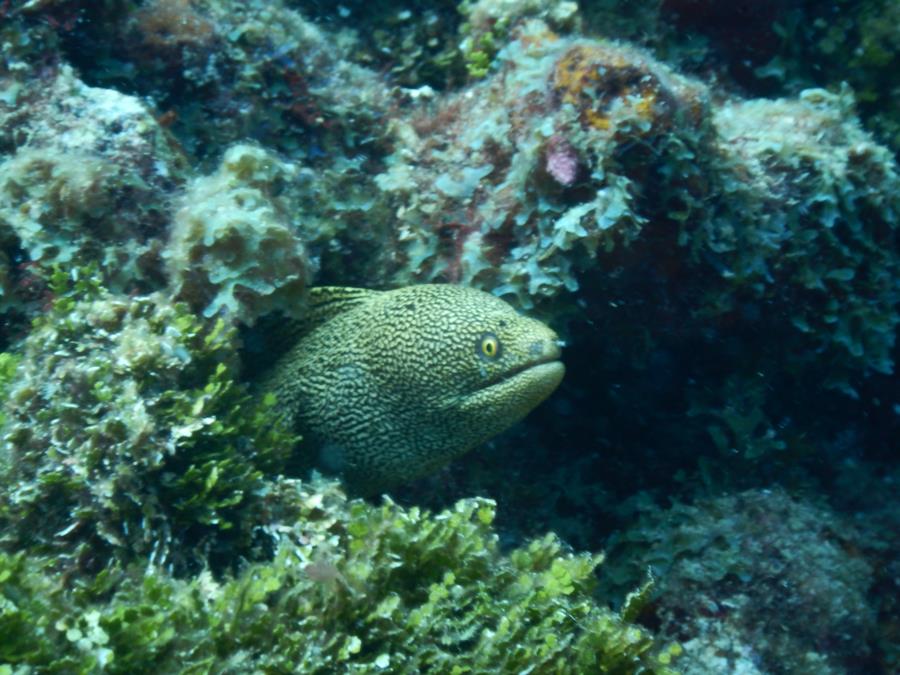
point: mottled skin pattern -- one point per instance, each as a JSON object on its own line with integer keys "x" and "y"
{"x": 387, "y": 386}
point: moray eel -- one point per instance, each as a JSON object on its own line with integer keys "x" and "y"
{"x": 387, "y": 386}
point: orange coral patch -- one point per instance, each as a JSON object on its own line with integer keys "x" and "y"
{"x": 595, "y": 77}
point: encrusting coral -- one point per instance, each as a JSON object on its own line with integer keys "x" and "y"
{"x": 753, "y": 582}
{"x": 590, "y": 160}
{"x": 85, "y": 176}
{"x": 234, "y": 247}
{"x": 582, "y": 146}
{"x": 810, "y": 225}
{"x": 488, "y": 24}
{"x": 485, "y": 204}
{"x": 856, "y": 42}
{"x": 771, "y": 48}
{"x": 227, "y": 71}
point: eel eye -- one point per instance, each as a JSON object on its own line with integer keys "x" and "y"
{"x": 488, "y": 346}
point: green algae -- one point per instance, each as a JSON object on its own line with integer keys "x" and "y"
{"x": 353, "y": 587}
{"x": 127, "y": 435}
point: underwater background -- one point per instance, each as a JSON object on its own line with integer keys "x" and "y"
{"x": 701, "y": 199}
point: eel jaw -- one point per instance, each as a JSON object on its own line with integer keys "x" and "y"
{"x": 515, "y": 393}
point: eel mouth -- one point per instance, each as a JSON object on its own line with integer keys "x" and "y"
{"x": 511, "y": 395}
{"x": 532, "y": 382}
{"x": 526, "y": 367}
{"x": 547, "y": 365}
{"x": 550, "y": 352}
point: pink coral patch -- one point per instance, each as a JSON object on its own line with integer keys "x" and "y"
{"x": 561, "y": 161}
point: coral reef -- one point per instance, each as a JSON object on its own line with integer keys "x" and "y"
{"x": 127, "y": 435}
{"x": 810, "y": 225}
{"x": 489, "y": 22}
{"x": 724, "y": 269}
{"x": 225, "y": 71}
{"x": 80, "y": 157}
{"x": 414, "y": 44}
{"x": 234, "y": 248}
{"x": 618, "y": 160}
{"x": 811, "y": 44}
{"x": 753, "y": 582}
{"x": 246, "y": 240}
{"x": 85, "y": 175}
{"x": 866, "y": 491}
{"x": 852, "y": 42}
{"x": 712, "y": 255}
{"x": 771, "y": 48}
{"x": 8, "y": 365}
{"x": 353, "y": 587}
{"x": 498, "y": 216}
